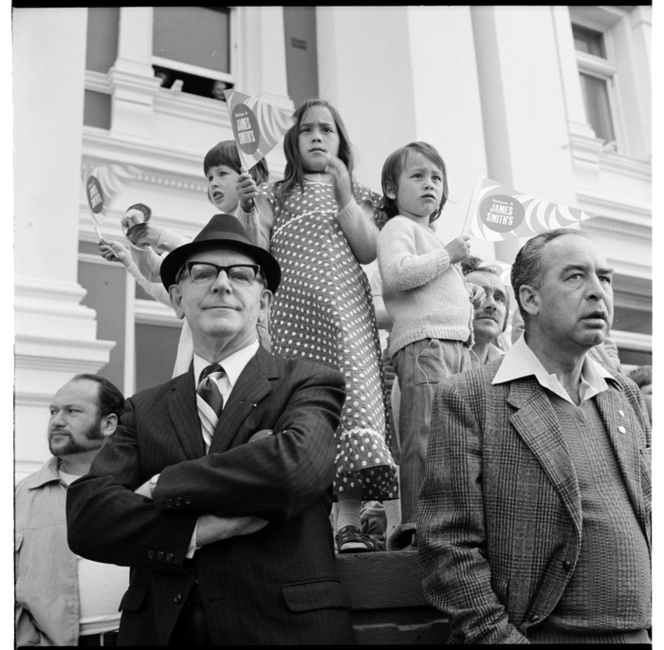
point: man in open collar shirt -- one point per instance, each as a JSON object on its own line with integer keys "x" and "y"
{"x": 535, "y": 510}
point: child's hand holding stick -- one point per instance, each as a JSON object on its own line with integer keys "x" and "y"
{"x": 458, "y": 249}
{"x": 247, "y": 190}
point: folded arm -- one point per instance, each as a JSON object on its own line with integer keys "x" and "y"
{"x": 274, "y": 477}
{"x": 108, "y": 522}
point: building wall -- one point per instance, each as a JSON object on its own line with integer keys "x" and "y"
{"x": 494, "y": 88}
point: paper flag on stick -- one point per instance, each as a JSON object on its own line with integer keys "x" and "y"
{"x": 257, "y": 126}
{"x": 102, "y": 186}
{"x": 497, "y": 212}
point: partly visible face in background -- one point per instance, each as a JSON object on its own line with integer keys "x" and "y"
{"x": 222, "y": 188}
{"x": 75, "y": 425}
{"x": 420, "y": 189}
{"x": 489, "y": 320}
{"x": 218, "y": 88}
{"x": 646, "y": 391}
{"x": 318, "y": 137}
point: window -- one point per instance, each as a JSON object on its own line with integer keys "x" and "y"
{"x": 596, "y": 75}
{"x": 100, "y": 55}
{"x": 97, "y": 109}
{"x": 102, "y": 38}
{"x": 146, "y": 333}
{"x": 191, "y": 47}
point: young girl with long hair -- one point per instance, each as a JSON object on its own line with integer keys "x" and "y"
{"x": 320, "y": 224}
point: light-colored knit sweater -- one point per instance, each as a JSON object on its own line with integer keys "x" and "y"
{"x": 424, "y": 294}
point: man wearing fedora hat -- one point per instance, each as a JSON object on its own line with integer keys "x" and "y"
{"x": 216, "y": 487}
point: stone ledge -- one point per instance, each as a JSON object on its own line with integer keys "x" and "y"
{"x": 387, "y": 602}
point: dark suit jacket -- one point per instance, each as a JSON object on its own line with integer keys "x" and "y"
{"x": 500, "y": 518}
{"x": 276, "y": 586}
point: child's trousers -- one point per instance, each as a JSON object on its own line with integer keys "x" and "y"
{"x": 419, "y": 367}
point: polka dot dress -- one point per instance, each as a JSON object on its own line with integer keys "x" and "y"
{"x": 323, "y": 312}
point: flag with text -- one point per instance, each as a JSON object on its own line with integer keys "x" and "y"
{"x": 257, "y": 126}
{"x": 497, "y": 212}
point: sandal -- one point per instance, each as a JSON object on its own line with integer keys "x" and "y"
{"x": 351, "y": 540}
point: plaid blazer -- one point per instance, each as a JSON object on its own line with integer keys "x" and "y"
{"x": 276, "y": 586}
{"x": 500, "y": 508}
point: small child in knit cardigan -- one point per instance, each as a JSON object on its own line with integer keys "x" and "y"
{"x": 429, "y": 302}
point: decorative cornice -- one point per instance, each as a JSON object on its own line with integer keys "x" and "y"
{"x": 606, "y": 224}
{"x": 58, "y": 364}
{"x": 53, "y": 343}
{"x": 612, "y": 161}
{"x": 45, "y": 289}
{"x": 195, "y": 108}
{"x": 588, "y": 149}
{"x": 171, "y": 181}
{"x": 100, "y": 147}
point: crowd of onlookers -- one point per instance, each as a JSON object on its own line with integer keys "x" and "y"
{"x": 277, "y": 276}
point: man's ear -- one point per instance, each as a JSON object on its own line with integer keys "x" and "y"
{"x": 109, "y": 423}
{"x": 390, "y": 192}
{"x": 265, "y": 304}
{"x": 530, "y": 299}
{"x": 175, "y": 293}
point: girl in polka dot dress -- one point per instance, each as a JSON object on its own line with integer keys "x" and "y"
{"x": 320, "y": 225}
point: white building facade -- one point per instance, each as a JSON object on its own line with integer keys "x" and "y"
{"x": 552, "y": 101}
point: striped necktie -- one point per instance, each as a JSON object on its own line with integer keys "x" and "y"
{"x": 209, "y": 401}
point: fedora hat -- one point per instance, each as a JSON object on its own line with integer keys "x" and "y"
{"x": 222, "y": 230}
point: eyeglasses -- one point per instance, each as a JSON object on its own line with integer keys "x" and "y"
{"x": 242, "y": 275}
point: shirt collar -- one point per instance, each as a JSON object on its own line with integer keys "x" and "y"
{"x": 520, "y": 361}
{"x": 494, "y": 353}
{"x": 45, "y": 474}
{"x": 233, "y": 364}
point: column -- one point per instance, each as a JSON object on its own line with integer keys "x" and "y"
{"x": 448, "y": 109}
{"x": 55, "y": 336}
{"x": 132, "y": 78}
{"x": 523, "y": 105}
{"x": 262, "y": 60}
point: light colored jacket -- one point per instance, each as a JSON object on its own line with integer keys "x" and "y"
{"x": 47, "y": 608}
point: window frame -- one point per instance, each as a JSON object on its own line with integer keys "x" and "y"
{"x": 207, "y": 73}
{"x": 602, "y": 20}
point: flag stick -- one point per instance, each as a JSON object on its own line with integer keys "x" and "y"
{"x": 473, "y": 201}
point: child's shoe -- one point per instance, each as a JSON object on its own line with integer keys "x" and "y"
{"x": 351, "y": 540}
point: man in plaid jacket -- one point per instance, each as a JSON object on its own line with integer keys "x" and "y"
{"x": 534, "y": 517}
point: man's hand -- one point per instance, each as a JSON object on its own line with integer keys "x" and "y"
{"x": 477, "y": 294}
{"x": 213, "y": 529}
{"x": 260, "y": 434}
{"x": 247, "y": 190}
{"x": 340, "y": 181}
{"x": 458, "y": 249}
